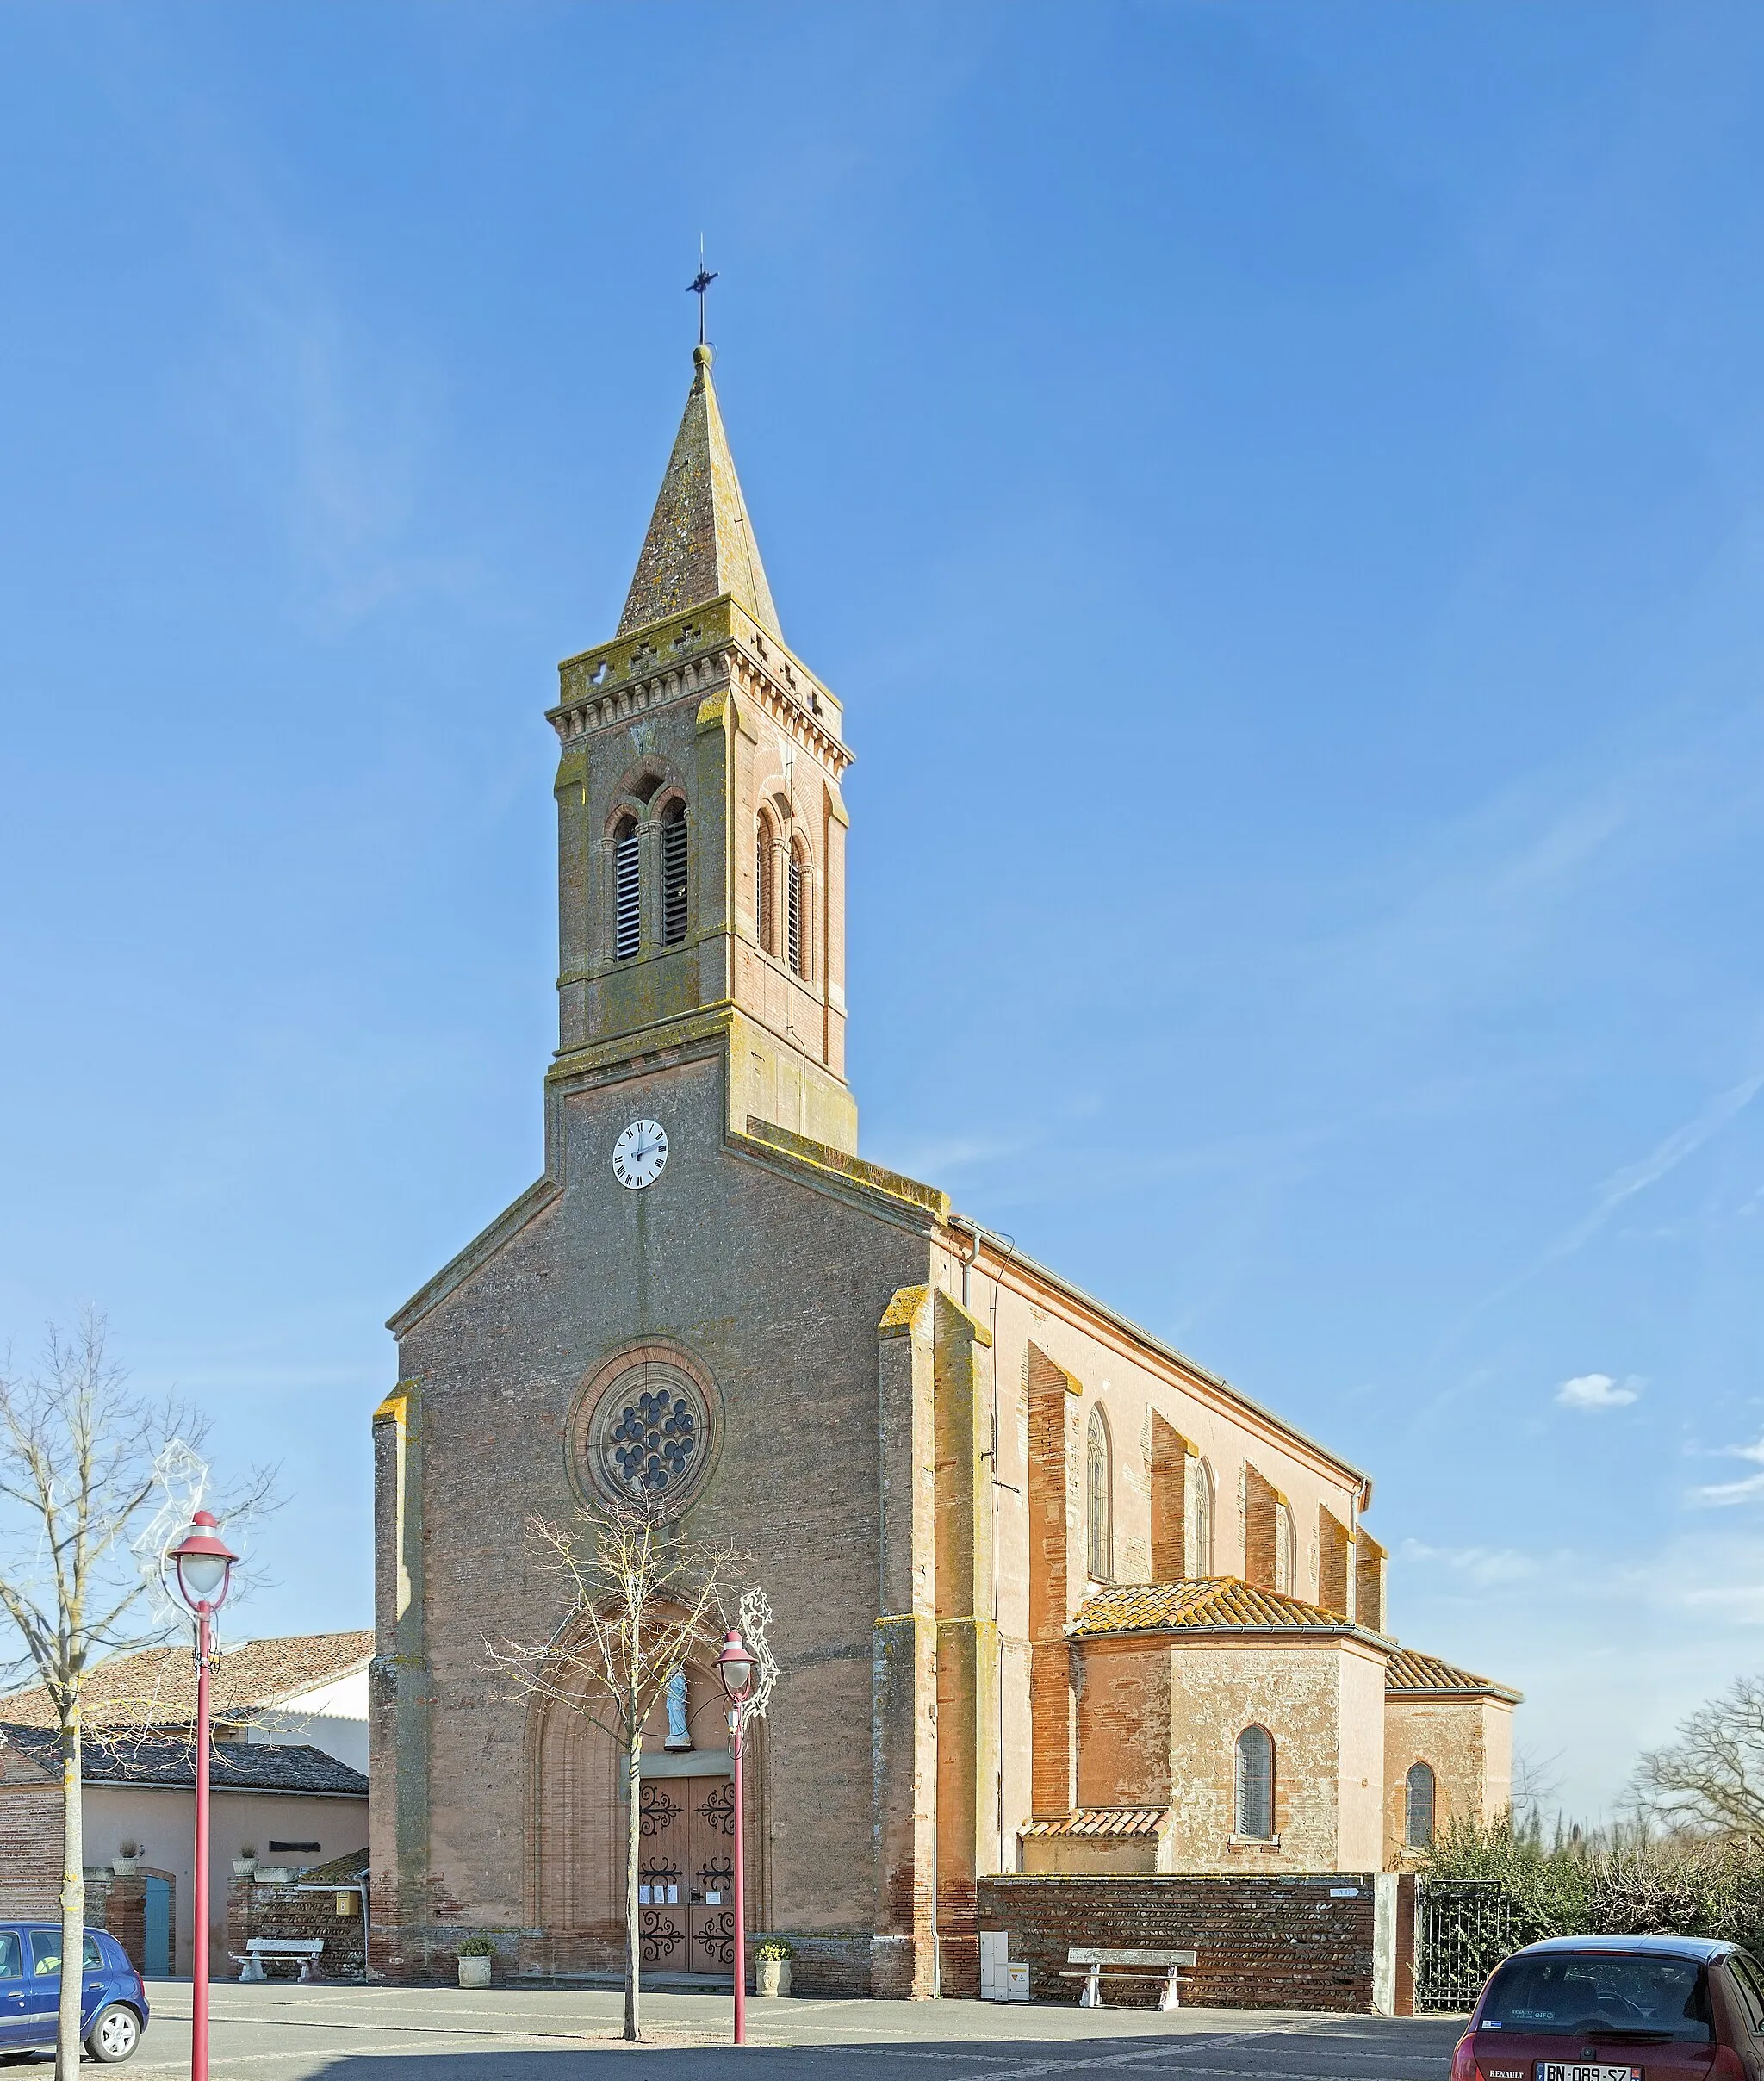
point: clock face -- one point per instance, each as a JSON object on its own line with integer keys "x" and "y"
{"x": 639, "y": 1154}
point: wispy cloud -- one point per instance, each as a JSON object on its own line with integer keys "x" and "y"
{"x": 1717, "y": 1494}
{"x": 1597, "y": 1391}
{"x": 1664, "y": 1156}
{"x": 1482, "y": 1566}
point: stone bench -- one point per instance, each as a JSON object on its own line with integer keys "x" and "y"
{"x": 305, "y": 1948}
{"x": 1127, "y": 1965}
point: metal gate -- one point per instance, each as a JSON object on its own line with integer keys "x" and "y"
{"x": 1461, "y": 1933}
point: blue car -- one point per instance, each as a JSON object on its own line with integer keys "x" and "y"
{"x": 113, "y": 2007}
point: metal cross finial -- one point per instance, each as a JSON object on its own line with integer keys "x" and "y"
{"x": 698, "y": 284}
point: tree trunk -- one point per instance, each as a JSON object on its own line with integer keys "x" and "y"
{"x": 73, "y": 1904}
{"x": 633, "y": 1851}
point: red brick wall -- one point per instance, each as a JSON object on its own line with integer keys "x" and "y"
{"x": 1260, "y": 1943}
{"x": 282, "y": 1910}
{"x": 30, "y": 1849}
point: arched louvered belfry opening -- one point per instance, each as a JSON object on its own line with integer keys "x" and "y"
{"x": 1200, "y": 1520}
{"x": 1419, "y": 1791}
{"x": 765, "y": 896}
{"x": 1255, "y": 1785}
{"x": 676, "y": 885}
{"x": 627, "y": 891}
{"x": 1099, "y": 1528}
{"x": 797, "y": 921}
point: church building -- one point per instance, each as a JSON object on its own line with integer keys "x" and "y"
{"x": 1049, "y": 1596}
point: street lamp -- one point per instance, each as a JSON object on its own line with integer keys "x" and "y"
{"x": 734, "y": 1667}
{"x": 204, "y": 1567}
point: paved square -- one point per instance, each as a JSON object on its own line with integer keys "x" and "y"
{"x": 282, "y": 2031}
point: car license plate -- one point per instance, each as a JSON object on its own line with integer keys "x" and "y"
{"x": 1558, "y": 2070}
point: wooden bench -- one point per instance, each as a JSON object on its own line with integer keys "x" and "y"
{"x": 1126, "y": 1965}
{"x": 305, "y": 1948}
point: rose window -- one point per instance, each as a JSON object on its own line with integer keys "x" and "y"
{"x": 649, "y": 1435}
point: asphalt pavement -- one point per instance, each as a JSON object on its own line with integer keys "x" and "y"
{"x": 282, "y": 2031}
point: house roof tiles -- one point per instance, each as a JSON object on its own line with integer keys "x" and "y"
{"x": 156, "y": 1686}
{"x": 1113, "y": 1823}
{"x": 169, "y": 1762}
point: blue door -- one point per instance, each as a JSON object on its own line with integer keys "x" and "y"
{"x": 157, "y": 1962}
{"x": 12, "y": 2031}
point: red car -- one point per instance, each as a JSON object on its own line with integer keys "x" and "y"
{"x": 1618, "y": 2009}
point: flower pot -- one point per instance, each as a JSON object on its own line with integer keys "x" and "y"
{"x": 475, "y": 1973}
{"x": 243, "y": 1867}
{"x": 771, "y": 1976}
{"x": 126, "y": 1868}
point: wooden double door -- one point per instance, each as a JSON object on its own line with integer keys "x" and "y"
{"x": 686, "y": 1875}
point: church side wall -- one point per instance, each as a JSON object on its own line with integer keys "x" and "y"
{"x": 1136, "y": 1397}
{"x": 775, "y": 1288}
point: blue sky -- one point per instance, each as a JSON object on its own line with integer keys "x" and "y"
{"x": 1277, "y": 490}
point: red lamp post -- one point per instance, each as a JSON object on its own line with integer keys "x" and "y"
{"x": 734, "y": 1667}
{"x": 204, "y": 1563}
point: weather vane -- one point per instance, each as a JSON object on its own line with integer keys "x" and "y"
{"x": 698, "y": 284}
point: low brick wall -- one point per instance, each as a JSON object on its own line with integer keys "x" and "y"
{"x": 1275, "y": 1943}
{"x": 287, "y": 1910}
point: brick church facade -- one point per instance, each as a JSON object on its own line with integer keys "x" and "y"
{"x": 1050, "y": 1596}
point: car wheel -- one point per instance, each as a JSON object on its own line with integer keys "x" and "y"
{"x": 115, "y": 2033}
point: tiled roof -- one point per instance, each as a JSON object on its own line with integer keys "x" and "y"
{"x": 1411, "y": 1672}
{"x": 169, "y": 1760}
{"x": 1116, "y": 1823}
{"x": 1221, "y": 1604}
{"x": 345, "y": 1870}
{"x": 157, "y": 1688}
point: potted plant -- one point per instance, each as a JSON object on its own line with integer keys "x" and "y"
{"x": 245, "y": 1863}
{"x": 127, "y": 1860}
{"x": 772, "y": 1967}
{"x": 474, "y": 1956}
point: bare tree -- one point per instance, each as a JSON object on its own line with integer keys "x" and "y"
{"x": 641, "y": 1599}
{"x": 80, "y": 1457}
{"x": 1712, "y": 1776}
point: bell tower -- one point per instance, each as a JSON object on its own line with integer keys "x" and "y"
{"x": 700, "y": 829}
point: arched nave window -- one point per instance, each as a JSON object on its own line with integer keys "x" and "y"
{"x": 1099, "y": 1533}
{"x": 1254, "y": 1784}
{"x": 1285, "y": 1552}
{"x": 627, "y": 892}
{"x": 1200, "y": 1520}
{"x": 1417, "y": 1807}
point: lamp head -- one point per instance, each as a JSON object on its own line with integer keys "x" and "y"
{"x": 734, "y": 1666}
{"x": 204, "y": 1563}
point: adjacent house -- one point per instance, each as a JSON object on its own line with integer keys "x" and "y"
{"x": 287, "y": 1774}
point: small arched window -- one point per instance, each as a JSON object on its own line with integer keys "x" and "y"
{"x": 1417, "y": 1807}
{"x": 1254, "y": 1784}
{"x": 674, "y": 887}
{"x": 1199, "y": 1519}
{"x": 764, "y": 902}
{"x": 1099, "y": 1533}
{"x": 799, "y": 946}
{"x": 627, "y": 892}
{"x": 1285, "y": 1550}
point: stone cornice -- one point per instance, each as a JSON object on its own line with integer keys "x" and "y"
{"x": 687, "y": 657}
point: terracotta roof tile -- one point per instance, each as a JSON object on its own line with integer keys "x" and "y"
{"x": 157, "y": 1686}
{"x": 1221, "y": 1604}
{"x": 1116, "y": 1823}
{"x": 1410, "y": 1671}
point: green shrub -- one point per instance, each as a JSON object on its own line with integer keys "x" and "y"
{"x": 477, "y": 1946}
{"x": 774, "y": 1947}
{"x": 1620, "y": 1881}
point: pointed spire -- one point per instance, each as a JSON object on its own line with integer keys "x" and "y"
{"x": 700, "y": 543}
